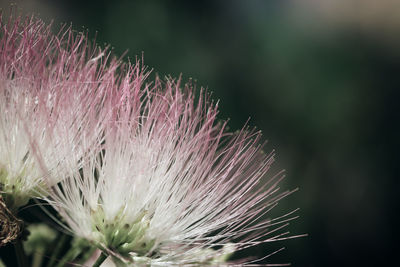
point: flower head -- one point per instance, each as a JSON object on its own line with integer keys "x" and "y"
{"x": 142, "y": 170}
{"x": 169, "y": 184}
{"x": 51, "y": 88}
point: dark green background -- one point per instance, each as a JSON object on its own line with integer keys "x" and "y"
{"x": 325, "y": 96}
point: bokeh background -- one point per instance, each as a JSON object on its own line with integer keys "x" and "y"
{"x": 318, "y": 77}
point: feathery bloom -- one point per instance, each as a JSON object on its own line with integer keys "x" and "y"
{"x": 51, "y": 88}
{"x": 142, "y": 170}
{"x": 169, "y": 184}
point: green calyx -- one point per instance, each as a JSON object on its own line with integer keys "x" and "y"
{"x": 124, "y": 237}
{"x": 14, "y": 189}
{"x": 12, "y": 193}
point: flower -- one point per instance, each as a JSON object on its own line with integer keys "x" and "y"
{"x": 169, "y": 184}
{"x": 142, "y": 170}
{"x": 51, "y": 88}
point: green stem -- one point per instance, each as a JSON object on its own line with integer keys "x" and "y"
{"x": 57, "y": 249}
{"x": 100, "y": 260}
{"x": 20, "y": 253}
{"x": 38, "y": 258}
{"x": 69, "y": 256}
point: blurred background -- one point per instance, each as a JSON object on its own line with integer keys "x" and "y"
{"x": 318, "y": 77}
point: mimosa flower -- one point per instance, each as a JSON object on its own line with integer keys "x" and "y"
{"x": 141, "y": 170}
{"x": 169, "y": 185}
{"x": 51, "y": 88}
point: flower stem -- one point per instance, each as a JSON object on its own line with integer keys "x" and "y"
{"x": 69, "y": 256}
{"x": 38, "y": 258}
{"x": 57, "y": 249}
{"x": 20, "y": 253}
{"x": 100, "y": 260}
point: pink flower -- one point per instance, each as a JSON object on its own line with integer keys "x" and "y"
{"x": 52, "y": 103}
{"x": 142, "y": 170}
{"x": 169, "y": 185}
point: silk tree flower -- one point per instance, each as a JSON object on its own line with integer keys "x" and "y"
{"x": 141, "y": 170}
{"x": 169, "y": 185}
{"x": 51, "y": 91}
